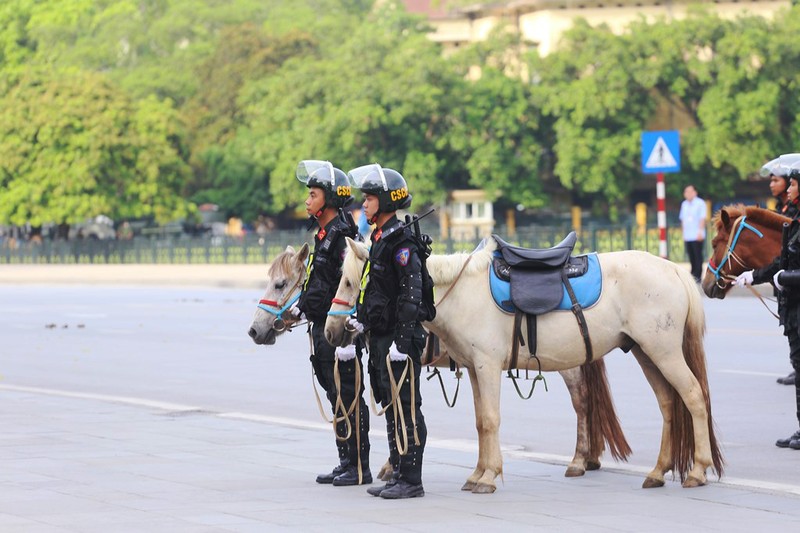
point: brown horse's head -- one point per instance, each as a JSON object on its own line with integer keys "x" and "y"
{"x": 746, "y": 238}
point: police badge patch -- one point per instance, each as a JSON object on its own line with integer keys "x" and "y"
{"x": 402, "y": 256}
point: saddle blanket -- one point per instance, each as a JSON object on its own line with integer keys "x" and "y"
{"x": 587, "y": 288}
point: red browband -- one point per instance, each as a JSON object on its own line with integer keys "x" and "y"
{"x": 273, "y": 303}
{"x": 340, "y": 302}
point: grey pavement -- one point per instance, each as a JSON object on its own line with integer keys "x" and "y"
{"x": 88, "y": 464}
{"x": 146, "y": 408}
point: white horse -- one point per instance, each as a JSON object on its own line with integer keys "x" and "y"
{"x": 597, "y": 423}
{"x": 649, "y": 306}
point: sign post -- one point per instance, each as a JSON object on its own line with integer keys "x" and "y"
{"x": 661, "y": 152}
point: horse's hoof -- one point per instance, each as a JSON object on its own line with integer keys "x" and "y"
{"x": 483, "y": 488}
{"x": 385, "y": 473}
{"x": 469, "y": 485}
{"x": 692, "y": 482}
{"x": 574, "y": 471}
{"x": 592, "y": 465}
{"x": 652, "y": 483}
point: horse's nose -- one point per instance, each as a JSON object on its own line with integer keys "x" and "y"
{"x": 252, "y": 333}
{"x": 329, "y": 338}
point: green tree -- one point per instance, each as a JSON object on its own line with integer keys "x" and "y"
{"x": 497, "y": 132}
{"x": 380, "y": 96}
{"x": 598, "y": 110}
{"x": 72, "y": 146}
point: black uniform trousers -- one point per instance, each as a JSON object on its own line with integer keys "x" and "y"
{"x": 408, "y": 467}
{"x": 323, "y": 360}
{"x": 791, "y": 331}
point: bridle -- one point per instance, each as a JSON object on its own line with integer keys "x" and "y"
{"x": 725, "y": 279}
{"x": 278, "y": 309}
{"x": 351, "y": 308}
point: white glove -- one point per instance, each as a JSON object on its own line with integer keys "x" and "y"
{"x": 744, "y": 279}
{"x": 346, "y": 353}
{"x": 775, "y": 280}
{"x": 395, "y": 355}
{"x": 355, "y": 325}
{"x": 295, "y": 312}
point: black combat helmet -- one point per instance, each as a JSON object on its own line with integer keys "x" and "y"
{"x": 782, "y": 167}
{"x": 323, "y": 175}
{"x": 388, "y": 185}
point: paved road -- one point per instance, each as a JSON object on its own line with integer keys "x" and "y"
{"x": 147, "y": 408}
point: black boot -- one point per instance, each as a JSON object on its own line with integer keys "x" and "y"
{"x": 788, "y": 380}
{"x": 350, "y": 476}
{"x": 792, "y": 442}
{"x": 376, "y": 491}
{"x": 402, "y": 490}
{"x": 327, "y": 479}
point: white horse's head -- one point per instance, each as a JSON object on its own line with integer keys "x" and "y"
{"x": 284, "y": 285}
{"x": 344, "y": 303}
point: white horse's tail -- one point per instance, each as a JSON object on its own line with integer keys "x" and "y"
{"x": 694, "y": 354}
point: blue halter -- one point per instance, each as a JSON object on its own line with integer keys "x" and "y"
{"x": 274, "y": 309}
{"x": 742, "y": 224}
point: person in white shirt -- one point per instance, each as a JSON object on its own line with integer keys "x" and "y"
{"x": 693, "y": 221}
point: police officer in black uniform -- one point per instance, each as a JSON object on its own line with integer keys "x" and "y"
{"x": 391, "y": 312}
{"x": 329, "y": 192}
{"x": 787, "y": 282}
{"x": 778, "y": 174}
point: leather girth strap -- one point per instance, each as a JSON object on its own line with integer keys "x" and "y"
{"x": 518, "y": 340}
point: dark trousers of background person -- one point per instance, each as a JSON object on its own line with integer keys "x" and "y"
{"x": 694, "y": 249}
{"x": 323, "y": 360}
{"x": 408, "y": 466}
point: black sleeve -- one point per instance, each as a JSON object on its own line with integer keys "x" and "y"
{"x": 409, "y": 300}
{"x": 324, "y": 280}
{"x": 765, "y": 274}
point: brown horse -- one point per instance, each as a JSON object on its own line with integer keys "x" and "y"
{"x": 747, "y": 237}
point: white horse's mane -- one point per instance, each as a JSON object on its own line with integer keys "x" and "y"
{"x": 442, "y": 268}
{"x": 282, "y": 264}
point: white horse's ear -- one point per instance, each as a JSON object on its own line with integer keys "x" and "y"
{"x": 289, "y": 249}
{"x": 356, "y": 249}
{"x": 303, "y": 253}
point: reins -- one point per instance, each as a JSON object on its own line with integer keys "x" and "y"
{"x": 733, "y": 239}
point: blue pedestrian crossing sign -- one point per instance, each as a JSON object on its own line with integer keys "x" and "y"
{"x": 661, "y": 151}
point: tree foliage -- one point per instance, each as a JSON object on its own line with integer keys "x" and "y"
{"x": 74, "y": 146}
{"x": 142, "y": 107}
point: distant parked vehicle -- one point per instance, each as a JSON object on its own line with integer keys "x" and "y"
{"x": 100, "y": 227}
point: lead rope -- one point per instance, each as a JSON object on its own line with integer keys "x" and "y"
{"x": 402, "y": 449}
{"x": 347, "y": 412}
{"x": 314, "y": 383}
{"x": 761, "y": 298}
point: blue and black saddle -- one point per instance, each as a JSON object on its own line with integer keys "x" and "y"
{"x": 538, "y": 293}
{"x": 530, "y": 282}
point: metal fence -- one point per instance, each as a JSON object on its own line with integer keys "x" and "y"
{"x": 252, "y": 249}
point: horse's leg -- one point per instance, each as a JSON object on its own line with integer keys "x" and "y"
{"x": 385, "y": 473}
{"x": 690, "y": 416}
{"x": 472, "y": 480}
{"x": 579, "y": 396}
{"x": 487, "y": 412}
{"x": 662, "y": 391}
